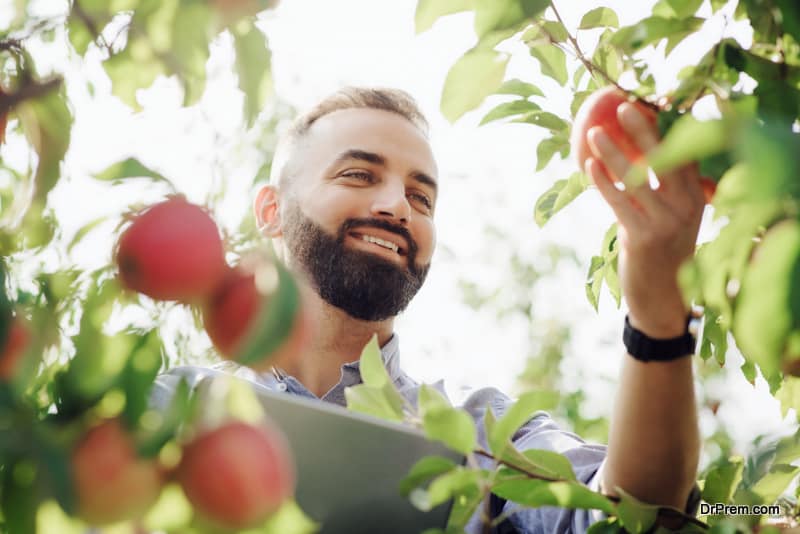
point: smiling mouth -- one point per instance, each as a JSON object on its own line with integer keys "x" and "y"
{"x": 388, "y": 245}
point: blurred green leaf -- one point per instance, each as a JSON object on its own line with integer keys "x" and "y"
{"x": 140, "y": 370}
{"x": 544, "y": 119}
{"x": 136, "y": 67}
{"x": 552, "y": 62}
{"x": 476, "y": 75}
{"x": 722, "y": 479}
{"x": 536, "y": 493}
{"x": 493, "y": 15}
{"x": 601, "y": 17}
{"x": 775, "y": 482}
{"x": 558, "y": 196}
{"x": 635, "y": 516}
{"x": 425, "y": 470}
{"x": 520, "y": 88}
{"x": 457, "y": 481}
{"x": 653, "y": 29}
{"x": 678, "y": 9}
{"x": 428, "y": 11}
{"x": 507, "y": 109}
{"x": 548, "y": 147}
{"x": 130, "y": 168}
{"x": 84, "y": 230}
{"x": 767, "y": 306}
{"x": 253, "y": 64}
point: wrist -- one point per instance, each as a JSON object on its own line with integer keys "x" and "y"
{"x": 663, "y": 327}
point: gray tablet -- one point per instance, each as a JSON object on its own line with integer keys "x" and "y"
{"x": 349, "y": 466}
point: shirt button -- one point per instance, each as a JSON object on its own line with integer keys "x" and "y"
{"x": 281, "y": 387}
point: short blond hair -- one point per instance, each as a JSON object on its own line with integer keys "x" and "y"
{"x": 386, "y": 99}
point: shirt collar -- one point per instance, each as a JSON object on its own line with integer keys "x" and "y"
{"x": 350, "y": 375}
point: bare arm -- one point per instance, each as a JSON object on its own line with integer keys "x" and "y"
{"x": 654, "y": 440}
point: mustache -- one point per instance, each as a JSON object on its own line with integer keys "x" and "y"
{"x": 383, "y": 225}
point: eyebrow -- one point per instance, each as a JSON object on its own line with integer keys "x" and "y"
{"x": 377, "y": 159}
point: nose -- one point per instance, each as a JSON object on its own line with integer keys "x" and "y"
{"x": 391, "y": 202}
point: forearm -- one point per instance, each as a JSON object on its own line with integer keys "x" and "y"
{"x": 654, "y": 442}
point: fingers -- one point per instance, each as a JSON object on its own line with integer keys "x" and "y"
{"x": 623, "y": 205}
{"x": 617, "y": 164}
{"x": 638, "y": 127}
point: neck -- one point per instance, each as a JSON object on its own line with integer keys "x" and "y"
{"x": 337, "y": 339}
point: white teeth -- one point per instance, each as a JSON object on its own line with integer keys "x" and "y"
{"x": 379, "y": 241}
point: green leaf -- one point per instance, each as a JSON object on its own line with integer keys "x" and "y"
{"x": 137, "y": 377}
{"x": 536, "y": 493}
{"x": 253, "y": 65}
{"x": 635, "y": 516}
{"x": 524, "y": 409}
{"x": 775, "y": 482}
{"x": 789, "y": 395}
{"x": 790, "y": 13}
{"x": 493, "y": 15}
{"x": 688, "y": 140}
{"x": 373, "y": 401}
{"x": 558, "y": 196}
{"x": 128, "y": 75}
{"x": 651, "y": 30}
{"x": 678, "y": 9}
{"x": 457, "y": 481}
{"x": 548, "y": 147}
{"x": 507, "y": 109}
{"x": 47, "y": 123}
{"x": 84, "y": 230}
{"x": 552, "y": 62}
{"x": 545, "y": 31}
{"x": 130, "y": 168}
{"x": 452, "y": 426}
{"x": 373, "y": 370}
{"x": 722, "y": 480}
{"x": 476, "y": 75}
{"x": 603, "y": 268}
{"x": 425, "y": 470}
{"x": 519, "y": 88}
{"x": 428, "y": 11}
{"x": 181, "y": 406}
{"x": 606, "y": 526}
{"x": 601, "y": 17}
{"x": 766, "y": 312}
{"x": 544, "y": 119}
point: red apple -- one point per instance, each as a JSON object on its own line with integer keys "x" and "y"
{"x": 231, "y": 311}
{"x": 111, "y": 482}
{"x": 237, "y": 475}
{"x": 709, "y": 188}
{"x": 172, "y": 251}
{"x": 600, "y": 109}
{"x": 14, "y": 349}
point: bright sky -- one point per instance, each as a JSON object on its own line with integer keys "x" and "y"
{"x": 487, "y": 175}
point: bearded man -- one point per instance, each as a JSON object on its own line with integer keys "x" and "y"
{"x": 350, "y": 209}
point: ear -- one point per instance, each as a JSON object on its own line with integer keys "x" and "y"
{"x": 266, "y": 210}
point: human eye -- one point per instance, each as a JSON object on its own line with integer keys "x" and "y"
{"x": 362, "y": 176}
{"x": 423, "y": 199}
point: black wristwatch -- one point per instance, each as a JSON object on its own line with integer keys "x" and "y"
{"x": 648, "y": 349}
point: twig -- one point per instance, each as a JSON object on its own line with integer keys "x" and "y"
{"x": 90, "y": 25}
{"x": 591, "y": 67}
{"x": 8, "y": 101}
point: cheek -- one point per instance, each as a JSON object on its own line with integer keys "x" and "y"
{"x": 426, "y": 241}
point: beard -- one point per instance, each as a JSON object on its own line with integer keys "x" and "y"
{"x": 363, "y": 285}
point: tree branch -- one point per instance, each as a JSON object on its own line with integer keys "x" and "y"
{"x": 34, "y": 90}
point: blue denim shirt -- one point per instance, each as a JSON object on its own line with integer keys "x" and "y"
{"x": 540, "y": 432}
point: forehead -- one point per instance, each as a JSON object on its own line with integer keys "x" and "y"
{"x": 373, "y": 130}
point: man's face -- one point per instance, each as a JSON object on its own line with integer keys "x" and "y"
{"x": 359, "y": 219}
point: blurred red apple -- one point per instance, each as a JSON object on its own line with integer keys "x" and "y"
{"x": 111, "y": 482}
{"x": 237, "y": 475}
{"x": 172, "y": 251}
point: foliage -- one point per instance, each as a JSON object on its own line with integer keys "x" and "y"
{"x": 746, "y": 278}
